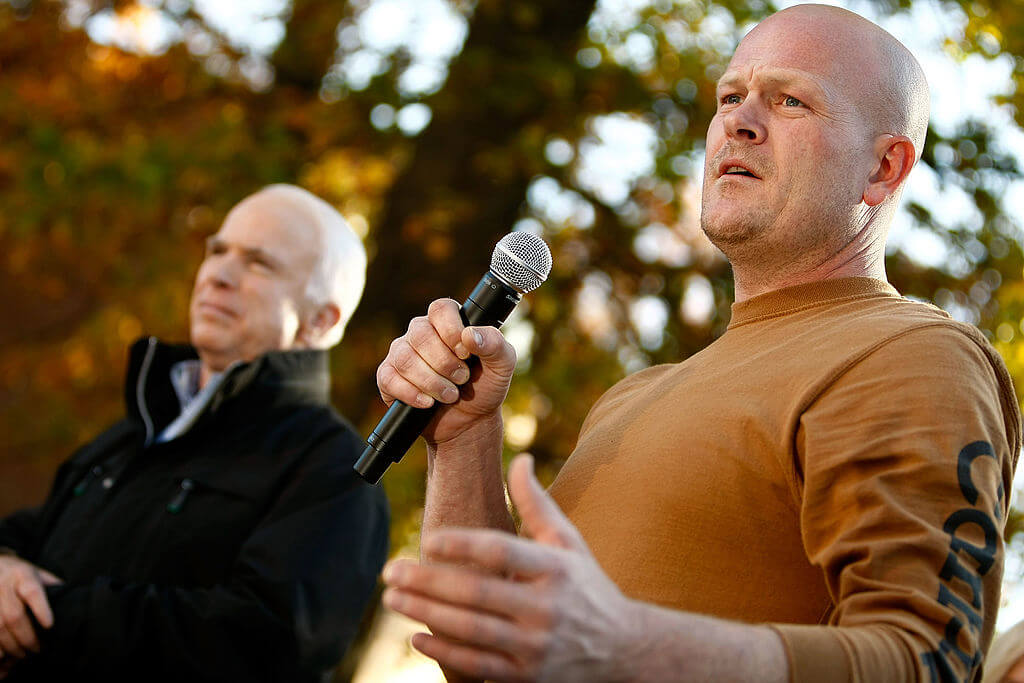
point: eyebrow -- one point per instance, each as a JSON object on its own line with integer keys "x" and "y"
{"x": 250, "y": 252}
{"x": 777, "y": 78}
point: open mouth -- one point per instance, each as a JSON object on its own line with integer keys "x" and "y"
{"x": 738, "y": 170}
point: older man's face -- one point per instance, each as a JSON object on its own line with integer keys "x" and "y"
{"x": 250, "y": 291}
{"x": 788, "y": 154}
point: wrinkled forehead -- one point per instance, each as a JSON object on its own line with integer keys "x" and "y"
{"x": 840, "y": 56}
{"x": 274, "y": 224}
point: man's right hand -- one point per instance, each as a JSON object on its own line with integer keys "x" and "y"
{"x": 21, "y": 589}
{"x": 428, "y": 364}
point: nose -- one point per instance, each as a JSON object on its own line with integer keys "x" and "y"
{"x": 222, "y": 271}
{"x": 745, "y": 122}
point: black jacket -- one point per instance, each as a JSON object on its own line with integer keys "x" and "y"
{"x": 245, "y": 550}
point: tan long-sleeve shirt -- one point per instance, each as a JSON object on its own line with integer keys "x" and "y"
{"x": 838, "y": 465}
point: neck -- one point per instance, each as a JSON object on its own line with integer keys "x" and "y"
{"x": 204, "y": 374}
{"x": 749, "y": 288}
{"x": 862, "y": 256}
{"x": 211, "y": 365}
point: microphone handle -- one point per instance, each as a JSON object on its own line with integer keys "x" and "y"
{"x": 490, "y": 303}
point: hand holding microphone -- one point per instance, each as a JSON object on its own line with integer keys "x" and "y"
{"x": 425, "y": 367}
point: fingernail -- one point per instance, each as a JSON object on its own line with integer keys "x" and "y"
{"x": 424, "y": 401}
{"x": 461, "y": 351}
{"x": 478, "y": 338}
{"x": 460, "y": 375}
{"x": 449, "y": 394}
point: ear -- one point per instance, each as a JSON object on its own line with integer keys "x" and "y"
{"x": 319, "y": 323}
{"x": 896, "y": 156}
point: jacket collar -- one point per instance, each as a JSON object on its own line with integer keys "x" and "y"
{"x": 275, "y": 378}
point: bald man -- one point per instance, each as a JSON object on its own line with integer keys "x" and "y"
{"x": 218, "y": 532}
{"x": 817, "y": 496}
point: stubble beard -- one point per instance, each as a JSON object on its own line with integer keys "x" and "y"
{"x": 735, "y": 232}
{"x": 765, "y": 252}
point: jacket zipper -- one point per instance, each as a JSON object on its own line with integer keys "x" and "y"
{"x": 92, "y": 474}
{"x": 140, "y": 386}
{"x": 179, "y": 500}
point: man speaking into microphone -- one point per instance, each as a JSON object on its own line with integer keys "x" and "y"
{"x": 817, "y": 496}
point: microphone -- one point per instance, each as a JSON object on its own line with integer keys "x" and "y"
{"x": 520, "y": 263}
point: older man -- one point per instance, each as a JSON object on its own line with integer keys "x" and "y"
{"x": 217, "y": 533}
{"x": 817, "y": 496}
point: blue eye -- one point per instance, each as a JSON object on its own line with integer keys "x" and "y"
{"x": 731, "y": 99}
{"x": 793, "y": 102}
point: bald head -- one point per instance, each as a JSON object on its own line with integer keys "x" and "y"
{"x": 339, "y": 272}
{"x": 882, "y": 79}
{"x": 821, "y": 115}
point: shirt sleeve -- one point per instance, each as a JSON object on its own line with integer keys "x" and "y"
{"x": 906, "y": 461}
{"x": 291, "y": 606}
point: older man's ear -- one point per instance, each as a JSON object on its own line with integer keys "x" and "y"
{"x": 317, "y": 325}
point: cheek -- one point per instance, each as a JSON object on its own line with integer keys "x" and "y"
{"x": 713, "y": 140}
{"x": 278, "y": 315}
{"x": 199, "y": 279}
{"x": 810, "y": 162}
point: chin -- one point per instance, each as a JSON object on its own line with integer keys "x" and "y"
{"x": 724, "y": 231}
{"x": 208, "y": 340}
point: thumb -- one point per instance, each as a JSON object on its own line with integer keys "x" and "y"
{"x": 491, "y": 347}
{"x": 543, "y": 520}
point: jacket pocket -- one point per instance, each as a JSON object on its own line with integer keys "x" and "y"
{"x": 205, "y": 521}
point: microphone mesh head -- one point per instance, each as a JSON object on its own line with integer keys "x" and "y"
{"x": 522, "y": 260}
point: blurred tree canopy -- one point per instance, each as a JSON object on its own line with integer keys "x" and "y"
{"x": 130, "y": 128}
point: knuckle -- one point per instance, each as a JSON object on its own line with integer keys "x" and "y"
{"x": 32, "y": 589}
{"x": 484, "y": 631}
{"x": 420, "y": 331}
{"x": 447, "y": 321}
{"x": 500, "y": 667}
{"x": 404, "y": 358}
{"x": 386, "y": 375}
{"x": 417, "y": 323}
{"x": 438, "y": 550}
{"x": 536, "y": 643}
{"x": 565, "y": 538}
{"x": 496, "y": 555}
{"x": 479, "y": 593}
{"x": 394, "y": 349}
{"x": 9, "y": 613}
{"x": 440, "y": 306}
{"x": 559, "y": 571}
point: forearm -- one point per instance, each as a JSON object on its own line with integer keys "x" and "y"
{"x": 670, "y": 645}
{"x": 464, "y": 480}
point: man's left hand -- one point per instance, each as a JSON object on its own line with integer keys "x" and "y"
{"x": 511, "y": 609}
